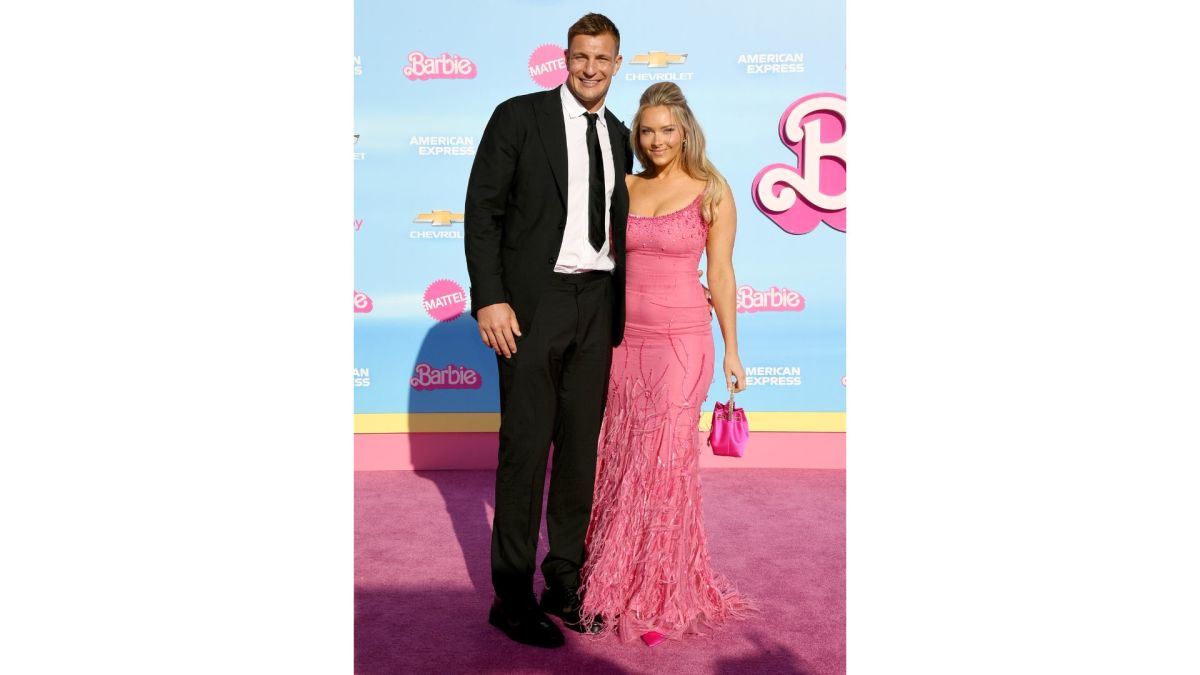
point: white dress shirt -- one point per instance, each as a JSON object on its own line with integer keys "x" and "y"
{"x": 576, "y": 253}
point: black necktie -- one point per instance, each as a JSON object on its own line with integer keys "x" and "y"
{"x": 595, "y": 185}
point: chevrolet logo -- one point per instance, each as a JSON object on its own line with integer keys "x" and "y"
{"x": 440, "y": 218}
{"x": 659, "y": 59}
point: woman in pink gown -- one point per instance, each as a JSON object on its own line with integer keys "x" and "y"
{"x": 647, "y": 571}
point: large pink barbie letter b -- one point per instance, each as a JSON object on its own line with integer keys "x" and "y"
{"x": 797, "y": 198}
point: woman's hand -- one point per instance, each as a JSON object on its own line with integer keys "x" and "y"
{"x": 733, "y": 369}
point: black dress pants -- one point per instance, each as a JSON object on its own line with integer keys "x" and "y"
{"x": 552, "y": 390}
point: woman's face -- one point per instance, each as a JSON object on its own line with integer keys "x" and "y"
{"x": 660, "y": 136}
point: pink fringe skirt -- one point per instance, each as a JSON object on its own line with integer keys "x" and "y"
{"x": 647, "y": 566}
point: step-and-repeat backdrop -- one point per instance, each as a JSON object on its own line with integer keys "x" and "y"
{"x": 766, "y": 80}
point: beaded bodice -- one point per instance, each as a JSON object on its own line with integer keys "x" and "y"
{"x": 670, "y": 243}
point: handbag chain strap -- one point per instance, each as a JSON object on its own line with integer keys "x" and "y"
{"x": 729, "y": 411}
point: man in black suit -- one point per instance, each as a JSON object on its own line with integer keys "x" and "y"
{"x": 545, "y": 243}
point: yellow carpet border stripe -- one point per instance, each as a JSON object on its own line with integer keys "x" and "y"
{"x": 399, "y": 423}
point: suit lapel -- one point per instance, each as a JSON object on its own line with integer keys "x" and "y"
{"x": 617, "y": 141}
{"x": 553, "y": 131}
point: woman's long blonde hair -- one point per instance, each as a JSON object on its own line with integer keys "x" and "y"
{"x": 693, "y": 157}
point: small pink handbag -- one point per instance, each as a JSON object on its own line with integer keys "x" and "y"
{"x": 730, "y": 431}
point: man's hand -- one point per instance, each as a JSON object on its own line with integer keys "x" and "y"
{"x": 497, "y": 326}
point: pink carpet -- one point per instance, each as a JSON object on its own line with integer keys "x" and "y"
{"x": 422, "y": 589}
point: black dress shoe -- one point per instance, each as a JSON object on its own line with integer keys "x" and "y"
{"x": 525, "y": 623}
{"x": 565, "y": 603}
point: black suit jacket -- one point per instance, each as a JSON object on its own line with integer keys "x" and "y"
{"x": 516, "y": 207}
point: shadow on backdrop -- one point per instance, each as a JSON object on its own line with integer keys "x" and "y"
{"x": 469, "y": 506}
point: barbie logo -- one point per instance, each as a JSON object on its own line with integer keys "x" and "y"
{"x": 444, "y": 67}
{"x": 362, "y": 303}
{"x": 797, "y": 198}
{"x": 445, "y": 300}
{"x": 771, "y": 300}
{"x": 547, "y": 67}
{"x": 426, "y": 377}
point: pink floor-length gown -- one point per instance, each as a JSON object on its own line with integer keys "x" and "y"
{"x": 647, "y": 566}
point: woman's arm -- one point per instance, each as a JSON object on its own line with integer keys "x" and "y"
{"x": 722, "y": 285}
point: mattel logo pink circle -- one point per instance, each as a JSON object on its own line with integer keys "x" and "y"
{"x": 547, "y": 67}
{"x": 445, "y": 300}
